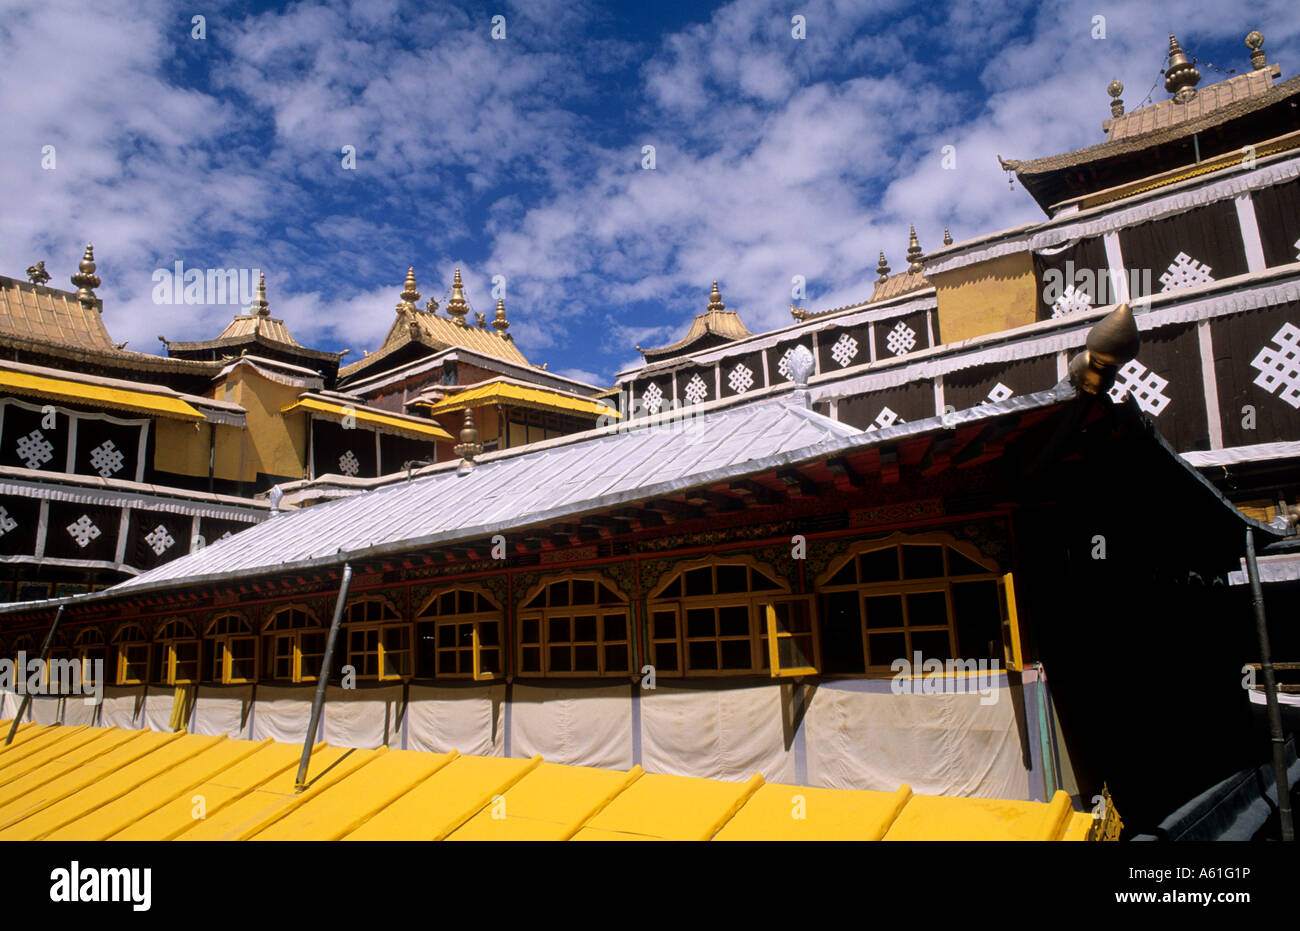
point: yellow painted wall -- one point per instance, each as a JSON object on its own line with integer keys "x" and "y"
{"x": 181, "y": 449}
{"x": 273, "y": 443}
{"x": 986, "y": 297}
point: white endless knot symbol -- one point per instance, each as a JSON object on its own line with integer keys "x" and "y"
{"x": 1185, "y": 272}
{"x": 901, "y": 339}
{"x": 83, "y": 530}
{"x": 845, "y": 350}
{"x": 7, "y": 523}
{"x": 783, "y": 366}
{"x": 35, "y": 449}
{"x": 349, "y": 464}
{"x": 159, "y": 540}
{"x": 1146, "y": 387}
{"x": 696, "y": 391}
{"x": 740, "y": 379}
{"x": 1279, "y": 369}
{"x": 653, "y": 398}
{"x": 106, "y": 459}
{"x": 886, "y": 418}
{"x": 1071, "y": 301}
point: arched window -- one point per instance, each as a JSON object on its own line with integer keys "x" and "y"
{"x": 379, "y": 641}
{"x": 293, "y": 645}
{"x": 576, "y": 626}
{"x": 459, "y": 633}
{"x": 891, "y": 600}
{"x": 234, "y": 649}
{"x": 89, "y": 648}
{"x": 716, "y": 617}
{"x": 132, "y": 648}
{"x": 178, "y": 654}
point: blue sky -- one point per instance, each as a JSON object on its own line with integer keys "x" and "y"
{"x": 522, "y": 156}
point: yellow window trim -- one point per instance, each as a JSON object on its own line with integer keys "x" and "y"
{"x": 1011, "y": 617}
{"x": 775, "y": 635}
{"x": 389, "y": 423}
{"x": 77, "y": 392}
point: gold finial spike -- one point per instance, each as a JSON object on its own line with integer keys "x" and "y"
{"x": 914, "y": 253}
{"x": 882, "y": 269}
{"x": 260, "y": 306}
{"x": 457, "y": 306}
{"x": 1255, "y": 42}
{"x": 1112, "y": 343}
{"x": 469, "y": 446}
{"x": 947, "y": 237}
{"x": 715, "y": 297}
{"x": 86, "y": 280}
{"x": 409, "y": 294}
{"x": 1182, "y": 77}
{"x": 1115, "y": 88}
{"x": 499, "y": 322}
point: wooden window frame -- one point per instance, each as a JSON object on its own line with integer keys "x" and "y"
{"x": 379, "y": 626}
{"x": 753, "y": 601}
{"x": 495, "y": 616}
{"x": 294, "y": 635}
{"x": 546, "y": 613}
{"x": 775, "y": 635}
{"x": 1012, "y": 655}
{"x": 81, "y": 650}
{"x": 169, "y": 645}
{"x": 120, "y": 661}
{"x": 221, "y": 653}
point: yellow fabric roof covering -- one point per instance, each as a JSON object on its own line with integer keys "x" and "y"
{"x": 80, "y": 392}
{"x": 388, "y": 422}
{"x": 89, "y": 783}
{"x": 504, "y": 392}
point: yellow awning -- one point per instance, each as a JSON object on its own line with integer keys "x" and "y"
{"x": 518, "y": 396}
{"x": 78, "y": 392}
{"x": 84, "y": 783}
{"x": 388, "y": 422}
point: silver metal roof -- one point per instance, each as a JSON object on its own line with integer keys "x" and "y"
{"x": 512, "y": 491}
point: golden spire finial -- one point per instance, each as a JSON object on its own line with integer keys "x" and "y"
{"x": 1182, "y": 77}
{"x": 457, "y": 306}
{"x": 1255, "y": 42}
{"x": 914, "y": 253}
{"x": 947, "y": 237}
{"x": 882, "y": 269}
{"x": 409, "y": 294}
{"x": 469, "y": 445}
{"x": 715, "y": 297}
{"x": 1115, "y": 88}
{"x": 260, "y": 306}
{"x": 86, "y": 280}
{"x": 499, "y": 322}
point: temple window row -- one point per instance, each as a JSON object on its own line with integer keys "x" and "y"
{"x": 718, "y": 616}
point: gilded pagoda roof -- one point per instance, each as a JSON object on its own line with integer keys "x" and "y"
{"x": 716, "y": 325}
{"x": 35, "y": 312}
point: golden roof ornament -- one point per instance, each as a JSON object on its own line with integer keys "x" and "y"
{"x": 914, "y": 253}
{"x": 1182, "y": 77}
{"x": 260, "y": 306}
{"x": 715, "y": 298}
{"x": 1112, "y": 343}
{"x": 37, "y": 274}
{"x": 469, "y": 446}
{"x": 1255, "y": 42}
{"x": 947, "y": 237}
{"x": 409, "y": 294}
{"x": 499, "y": 321}
{"x": 1115, "y": 88}
{"x": 86, "y": 280}
{"x": 882, "y": 269}
{"x": 457, "y": 306}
